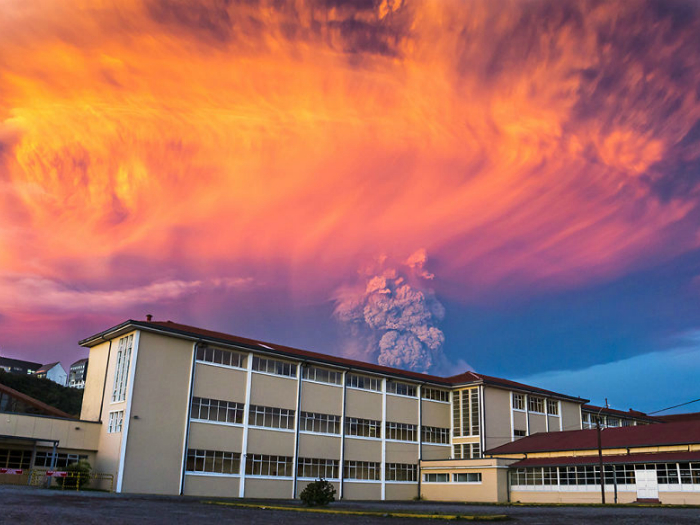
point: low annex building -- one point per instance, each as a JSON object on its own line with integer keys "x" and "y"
{"x": 182, "y": 410}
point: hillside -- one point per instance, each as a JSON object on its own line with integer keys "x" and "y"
{"x": 68, "y": 400}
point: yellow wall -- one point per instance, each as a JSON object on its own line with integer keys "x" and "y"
{"x": 155, "y": 440}
{"x": 207, "y": 436}
{"x": 571, "y": 415}
{"x": 402, "y": 409}
{"x": 401, "y": 452}
{"x": 436, "y": 452}
{"x": 401, "y": 491}
{"x": 211, "y": 486}
{"x": 314, "y": 446}
{"x": 497, "y": 410}
{"x": 71, "y": 433}
{"x": 361, "y": 490}
{"x": 273, "y": 391}
{"x": 363, "y": 404}
{"x": 436, "y": 414}
{"x": 321, "y": 399}
{"x": 94, "y": 383}
{"x": 270, "y": 442}
{"x": 268, "y": 488}
{"x": 363, "y": 449}
{"x": 214, "y": 382}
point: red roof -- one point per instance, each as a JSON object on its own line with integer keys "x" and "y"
{"x": 470, "y": 377}
{"x": 692, "y": 416}
{"x": 640, "y": 436}
{"x": 191, "y": 331}
{"x": 561, "y": 461}
{"x": 634, "y": 414}
{"x": 47, "y": 410}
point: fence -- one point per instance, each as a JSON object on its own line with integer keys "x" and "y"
{"x": 66, "y": 480}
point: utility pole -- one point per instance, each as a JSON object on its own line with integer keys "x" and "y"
{"x": 600, "y": 460}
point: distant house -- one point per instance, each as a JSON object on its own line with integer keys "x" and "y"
{"x": 17, "y": 366}
{"x": 77, "y": 374}
{"x": 53, "y": 372}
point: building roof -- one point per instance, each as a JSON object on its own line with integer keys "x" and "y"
{"x": 39, "y": 405}
{"x": 672, "y": 418}
{"x": 631, "y": 414}
{"x": 680, "y": 433}
{"x": 79, "y": 362}
{"x": 7, "y": 361}
{"x": 617, "y": 459}
{"x": 195, "y": 333}
{"x": 471, "y": 377}
{"x": 46, "y": 368}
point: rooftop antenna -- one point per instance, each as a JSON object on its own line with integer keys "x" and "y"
{"x": 149, "y": 317}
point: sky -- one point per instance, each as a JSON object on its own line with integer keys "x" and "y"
{"x": 511, "y": 187}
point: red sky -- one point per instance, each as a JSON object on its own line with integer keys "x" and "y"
{"x": 154, "y": 151}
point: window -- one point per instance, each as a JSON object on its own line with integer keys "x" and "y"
{"x": 116, "y": 419}
{"x": 262, "y": 465}
{"x": 121, "y": 371}
{"x": 322, "y": 375}
{"x": 271, "y": 417}
{"x": 401, "y": 389}
{"x": 363, "y": 427}
{"x": 322, "y": 423}
{"x": 273, "y": 366}
{"x": 218, "y": 356}
{"x": 401, "y": 472}
{"x": 588, "y": 420}
{"x": 10, "y": 458}
{"x": 400, "y": 431}
{"x": 364, "y": 382}
{"x": 436, "y": 435}
{"x": 519, "y": 433}
{"x": 467, "y": 451}
{"x": 215, "y": 461}
{"x": 552, "y": 407}
{"x": 362, "y": 470}
{"x": 436, "y": 394}
{"x": 436, "y": 478}
{"x": 465, "y": 412}
{"x": 217, "y": 410}
{"x": 536, "y": 404}
{"x": 613, "y": 422}
{"x": 518, "y": 401}
{"x": 468, "y": 477}
{"x": 43, "y": 459}
{"x": 318, "y": 468}
{"x": 667, "y": 473}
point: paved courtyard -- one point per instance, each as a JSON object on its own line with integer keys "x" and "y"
{"x": 20, "y": 505}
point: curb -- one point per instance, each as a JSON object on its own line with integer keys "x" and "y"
{"x": 466, "y": 517}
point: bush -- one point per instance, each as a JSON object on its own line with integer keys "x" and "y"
{"x": 319, "y": 492}
{"x": 78, "y": 475}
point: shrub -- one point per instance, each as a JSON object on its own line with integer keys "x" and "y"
{"x": 78, "y": 475}
{"x": 319, "y": 492}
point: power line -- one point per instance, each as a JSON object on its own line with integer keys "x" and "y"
{"x": 675, "y": 406}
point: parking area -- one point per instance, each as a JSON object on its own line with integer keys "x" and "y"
{"x": 31, "y": 505}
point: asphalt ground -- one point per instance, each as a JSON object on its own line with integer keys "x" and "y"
{"x": 25, "y": 505}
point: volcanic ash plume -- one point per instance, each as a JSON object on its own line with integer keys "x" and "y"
{"x": 395, "y": 315}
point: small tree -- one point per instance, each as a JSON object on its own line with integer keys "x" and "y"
{"x": 78, "y": 475}
{"x": 319, "y": 492}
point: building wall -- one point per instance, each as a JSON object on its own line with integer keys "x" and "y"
{"x": 491, "y": 489}
{"x": 497, "y": 407}
{"x": 71, "y": 433}
{"x": 94, "y": 384}
{"x": 156, "y": 429}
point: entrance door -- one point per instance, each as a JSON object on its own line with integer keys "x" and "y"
{"x": 647, "y": 484}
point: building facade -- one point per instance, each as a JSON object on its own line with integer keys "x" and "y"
{"x": 77, "y": 374}
{"x": 174, "y": 409}
{"x": 53, "y": 372}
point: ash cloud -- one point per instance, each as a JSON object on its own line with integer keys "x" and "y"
{"x": 392, "y": 315}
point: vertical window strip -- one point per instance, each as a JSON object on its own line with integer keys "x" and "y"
{"x": 121, "y": 373}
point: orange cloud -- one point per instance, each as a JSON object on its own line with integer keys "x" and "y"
{"x": 517, "y": 142}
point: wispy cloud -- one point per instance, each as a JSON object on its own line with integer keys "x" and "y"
{"x": 22, "y": 293}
